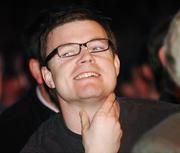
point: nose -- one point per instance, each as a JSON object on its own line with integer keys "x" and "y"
{"x": 85, "y": 56}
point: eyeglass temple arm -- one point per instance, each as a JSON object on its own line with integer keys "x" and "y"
{"x": 50, "y": 55}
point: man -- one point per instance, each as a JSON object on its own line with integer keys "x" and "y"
{"x": 19, "y": 121}
{"x": 81, "y": 66}
{"x": 166, "y": 136}
{"x": 165, "y": 85}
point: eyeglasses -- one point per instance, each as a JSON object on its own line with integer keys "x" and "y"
{"x": 73, "y": 49}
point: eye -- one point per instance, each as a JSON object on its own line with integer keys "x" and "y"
{"x": 67, "y": 50}
{"x": 97, "y": 45}
{"x": 97, "y": 48}
{"x": 67, "y": 54}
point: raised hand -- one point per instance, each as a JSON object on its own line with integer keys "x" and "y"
{"x": 103, "y": 133}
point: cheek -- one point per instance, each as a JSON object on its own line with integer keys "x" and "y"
{"x": 61, "y": 75}
{"x": 109, "y": 67}
{"x": 109, "y": 71}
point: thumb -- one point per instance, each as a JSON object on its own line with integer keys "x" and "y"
{"x": 85, "y": 123}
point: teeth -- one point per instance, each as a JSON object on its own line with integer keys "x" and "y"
{"x": 86, "y": 75}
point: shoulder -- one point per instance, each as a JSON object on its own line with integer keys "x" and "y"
{"x": 142, "y": 111}
{"x": 141, "y": 103}
{"x": 162, "y": 137}
{"x": 171, "y": 123}
{"x": 41, "y": 137}
{"x": 47, "y": 127}
{"x": 51, "y": 123}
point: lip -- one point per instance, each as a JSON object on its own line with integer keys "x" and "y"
{"x": 87, "y": 74}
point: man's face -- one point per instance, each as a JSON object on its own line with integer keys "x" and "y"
{"x": 87, "y": 75}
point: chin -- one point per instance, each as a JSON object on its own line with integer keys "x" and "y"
{"x": 93, "y": 90}
{"x": 88, "y": 93}
{"x": 94, "y": 94}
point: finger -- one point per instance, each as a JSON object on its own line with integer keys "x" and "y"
{"x": 112, "y": 112}
{"x": 117, "y": 109}
{"x": 108, "y": 103}
{"x": 85, "y": 122}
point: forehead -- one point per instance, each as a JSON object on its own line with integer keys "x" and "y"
{"x": 76, "y": 31}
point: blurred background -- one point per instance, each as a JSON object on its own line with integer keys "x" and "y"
{"x": 132, "y": 21}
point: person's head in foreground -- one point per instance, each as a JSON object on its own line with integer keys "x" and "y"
{"x": 165, "y": 138}
{"x": 172, "y": 49}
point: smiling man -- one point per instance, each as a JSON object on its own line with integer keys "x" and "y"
{"x": 85, "y": 59}
{"x": 81, "y": 67}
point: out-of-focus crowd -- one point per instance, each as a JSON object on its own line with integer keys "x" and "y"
{"x": 14, "y": 81}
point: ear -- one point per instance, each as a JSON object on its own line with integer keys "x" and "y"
{"x": 117, "y": 64}
{"x": 35, "y": 70}
{"x": 47, "y": 76}
{"x": 162, "y": 56}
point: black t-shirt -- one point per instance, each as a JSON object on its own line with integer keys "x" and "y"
{"x": 137, "y": 116}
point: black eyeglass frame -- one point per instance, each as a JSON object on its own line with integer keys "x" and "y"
{"x": 55, "y": 51}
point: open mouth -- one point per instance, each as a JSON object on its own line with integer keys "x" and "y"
{"x": 86, "y": 75}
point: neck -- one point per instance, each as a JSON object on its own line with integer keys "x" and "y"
{"x": 71, "y": 111}
{"x": 45, "y": 99}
